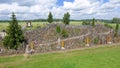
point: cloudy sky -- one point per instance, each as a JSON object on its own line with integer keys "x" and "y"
{"x": 78, "y": 9}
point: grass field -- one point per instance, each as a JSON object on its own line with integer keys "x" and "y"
{"x": 3, "y": 25}
{"x": 101, "y": 57}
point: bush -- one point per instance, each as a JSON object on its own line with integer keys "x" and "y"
{"x": 85, "y": 23}
{"x": 64, "y": 33}
{"x": 116, "y": 30}
{"x": 95, "y": 41}
{"x": 58, "y": 29}
{"x": 107, "y": 25}
{"x": 37, "y": 26}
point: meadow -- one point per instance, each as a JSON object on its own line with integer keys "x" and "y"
{"x": 3, "y": 25}
{"x": 101, "y": 57}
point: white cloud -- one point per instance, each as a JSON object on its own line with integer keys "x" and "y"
{"x": 77, "y": 4}
{"x": 79, "y": 9}
{"x": 13, "y": 8}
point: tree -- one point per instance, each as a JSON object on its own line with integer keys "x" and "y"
{"x": 93, "y": 22}
{"x": 14, "y": 35}
{"x": 116, "y": 29}
{"x": 50, "y": 18}
{"x": 58, "y": 31}
{"x": 116, "y": 20}
{"x": 66, "y": 19}
{"x": 85, "y": 23}
{"x": 64, "y": 33}
{"x": 107, "y": 25}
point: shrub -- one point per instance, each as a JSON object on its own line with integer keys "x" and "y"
{"x": 107, "y": 25}
{"x": 64, "y": 33}
{"x": 95, "y": 41}
{"x": 58, "y": 29}
{"x": 116, "y": 29}
{"x": 38, "y": 26}
{"x": 85, "y": 23}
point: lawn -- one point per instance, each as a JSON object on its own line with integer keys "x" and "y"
{"x": 101, "y": 57}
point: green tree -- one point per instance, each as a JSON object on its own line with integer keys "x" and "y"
{"x": 116, "y": 20}
{"x": 107, "y": 25}
{"x": 50, "y": 18}
{"x": 93, "y": 22}
{"x": 64, "y": 33}
{"x": 58, "y": 31}
{"x": 66, "y": 19}
{"x": 85, "y": 23}
{"x": 116, "y": 29}
{"x": 14, "y": 35}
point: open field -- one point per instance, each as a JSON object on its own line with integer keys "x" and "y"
{"x": 101, "y": 57}
{"x": 75, "y": 23}
{"x": 3, "y": 25}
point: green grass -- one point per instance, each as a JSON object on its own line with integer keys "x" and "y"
{"x": 3, "y": 25}
{"x": 75, "y": 23}
{"x": 102, "y": 57}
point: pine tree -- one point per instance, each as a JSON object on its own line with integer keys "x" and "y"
{"x": 116, "y": 29}
{"x": 50, "y": 18}
{"x": 14, "y": 35}
{"x": 93, "y": 22}
{"x": 58, "y": 30}
{"x": 66, "y": 19}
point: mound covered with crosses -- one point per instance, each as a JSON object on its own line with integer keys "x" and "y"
{"x": 48, "y": 39}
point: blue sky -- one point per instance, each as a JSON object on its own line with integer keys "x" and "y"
{"x": 60, "y": 2}
{"x": 78, "y": 9}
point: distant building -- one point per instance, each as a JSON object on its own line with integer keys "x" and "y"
{"x": 28, "y": 24}
{"x": 2, "y": 34}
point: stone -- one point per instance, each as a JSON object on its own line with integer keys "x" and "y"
{"x": 62, "y": 48}
{"x": 109, "y": 42}
{"x": 1, "y": 50}
{"x": 26, "y": 55}
{"x": 3, "y": 33}
{"x": 87, "y": 45}
{"x": 28, "y": 24}
{"x": 58, "y": 41}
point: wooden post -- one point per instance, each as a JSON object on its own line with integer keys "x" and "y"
{"x": 32, "y": 47}
{"x": 109, "y": 39}
{"x": 59, "y": 43}
{"x": 26, "y": 55}
{"x": 63, "y": 45}
{"x": 87, "y": 41}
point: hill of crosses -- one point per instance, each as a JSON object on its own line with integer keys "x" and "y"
{"x": 47, "y": 39}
